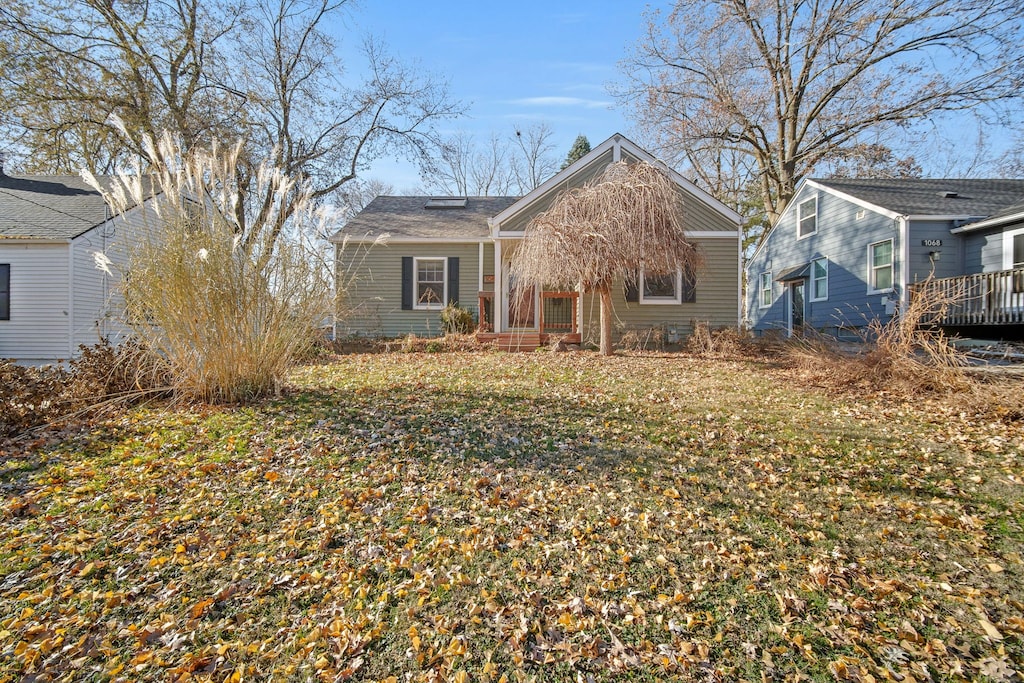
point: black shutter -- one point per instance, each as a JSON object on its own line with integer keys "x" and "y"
{"x": 689, "y": 293}
{"x": 453, "y": 280}
{"x": 632, "y": 286}
{"x": 5, "y": 291}
{"x": 407, "y": 287}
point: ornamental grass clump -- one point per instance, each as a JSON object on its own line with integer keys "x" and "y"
{"x": 214, "y": 287}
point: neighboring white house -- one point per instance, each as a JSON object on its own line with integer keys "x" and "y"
{"x": 53, "y": 298}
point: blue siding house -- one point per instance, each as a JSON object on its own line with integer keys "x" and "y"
{"x": 846, "y": 251}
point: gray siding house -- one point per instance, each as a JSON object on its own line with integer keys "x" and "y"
{"x": 53, "y": 298}
{"x": 401, "y": 259}
{"x": 846, "y": 251}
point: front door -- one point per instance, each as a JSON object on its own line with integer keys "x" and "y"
{"x": 521, "y": 305}
{"x": 796, "y": 307}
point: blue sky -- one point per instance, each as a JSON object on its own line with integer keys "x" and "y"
{"x": 512, "y": 64}
{"x": 519, "y": 62}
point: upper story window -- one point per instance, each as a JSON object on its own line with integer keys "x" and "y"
{"x": 429, "y": 276}
{"x": 765, "y": 290}
{"x": 880, "y": 266}
{"x": 1017, "y": 251}
{"x": 819, "y": 279}
{"x": 807, "y": 217}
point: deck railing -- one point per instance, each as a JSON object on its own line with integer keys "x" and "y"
{"x": 486, "y": 302}
{"x": 558, "y": 312}
{"x": 995, "y": 298}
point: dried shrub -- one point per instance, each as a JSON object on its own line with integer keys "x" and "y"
{"x": 104, "y": 371}
{"x": 102, "y": 376}
{"x": 724, "y": 342}
{"x": 29, "y": 396}
{"x": 449, "y": 342}
{"x": 907, "y": 355}
{"x": 456, "y": 320}
{"x": 643, "y": 339}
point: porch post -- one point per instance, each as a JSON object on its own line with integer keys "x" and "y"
{"x": 499, "y": 287}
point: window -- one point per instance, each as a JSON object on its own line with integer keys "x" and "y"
{"x": 5, "y": 291}
{"x": 819, "y": 279}
{"x": 766, "y": 290}
{"x": 1017, "y": 255}
{"x": 446, "y": 203}
{"x": 880, "y": 266}
{"x": 430, "y": 283}
{"x": 807, "y": 217}
{"x": 666, "y": 289}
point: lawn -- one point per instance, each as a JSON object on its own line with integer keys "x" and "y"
{"x": 489, "y": 517}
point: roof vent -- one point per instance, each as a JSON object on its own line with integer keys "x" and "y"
{"x": 446, "y": 203}
{"x": 949, "y": 194}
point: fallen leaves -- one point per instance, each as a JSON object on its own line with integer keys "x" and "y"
{"x": 491, "y": 517}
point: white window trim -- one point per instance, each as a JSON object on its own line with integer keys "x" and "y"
{"x": 1008, "y": 247}
{"x": 761, "y": 290}
{"x": 428, "y": 306}
{"x": 661, "y": 300}
{"x": 871, "y": 267}
{"x": 812, "y": 280}
{"x": 800, "y": 217}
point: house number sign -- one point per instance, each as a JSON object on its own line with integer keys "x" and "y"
{"x": 931, "y": 243}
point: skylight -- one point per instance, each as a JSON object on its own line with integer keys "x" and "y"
{"x": 446, "y": 203}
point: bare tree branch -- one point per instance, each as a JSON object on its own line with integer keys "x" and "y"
{"x": 791, "y": 84}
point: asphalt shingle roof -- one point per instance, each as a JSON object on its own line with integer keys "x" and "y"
{"x": 48, "y": 207}
{"x": 409, "y": 217}
{"x": 926, "y": 196}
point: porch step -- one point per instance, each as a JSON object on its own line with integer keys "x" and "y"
{"x": 517, "y": 341}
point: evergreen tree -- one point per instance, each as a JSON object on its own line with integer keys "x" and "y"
{"x": 579, "y": 149}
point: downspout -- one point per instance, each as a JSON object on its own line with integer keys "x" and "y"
{"x": 480, "y": 269}
{"x": 741, "y": 299}
{"x": 71, "y": 298}
{"x": 904, "y": 252}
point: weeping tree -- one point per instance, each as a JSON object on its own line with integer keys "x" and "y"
{"x": 628, "y": 220}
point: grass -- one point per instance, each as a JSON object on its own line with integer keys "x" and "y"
{"x": 526, "y": 517}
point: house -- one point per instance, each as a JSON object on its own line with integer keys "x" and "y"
{"x": 846, "y": 251}
{"x": 53, "y": 298}
{"x": 456, "y": 249}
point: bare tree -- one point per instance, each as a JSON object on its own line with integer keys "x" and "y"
{"x": 1011, "y": 164}
{"x": 466, "y": 169}
{"x": 532, "y": 161}
{"x": 871, "y": 161}
{"x": 491, "y": 173}
{"x": 630, "y": 217}
{"x": 791, "y": 83}
{"x": 514, "y": 165}
{"x": 266, "y": 72}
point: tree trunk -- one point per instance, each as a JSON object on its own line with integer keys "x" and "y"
{"x": 606, "y": 319}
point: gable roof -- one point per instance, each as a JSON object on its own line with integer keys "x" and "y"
{"x": 963, "y": 197}
{"x": 409, "y": 218}
{"x": 49, "y": 207}
{"x": 616, "y": 144}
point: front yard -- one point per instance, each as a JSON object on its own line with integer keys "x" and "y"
{"x": 544, "y": 517}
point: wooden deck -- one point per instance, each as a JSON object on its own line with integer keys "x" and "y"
{"x": 524, "y": 340}
{"x": 995, "y": 298}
